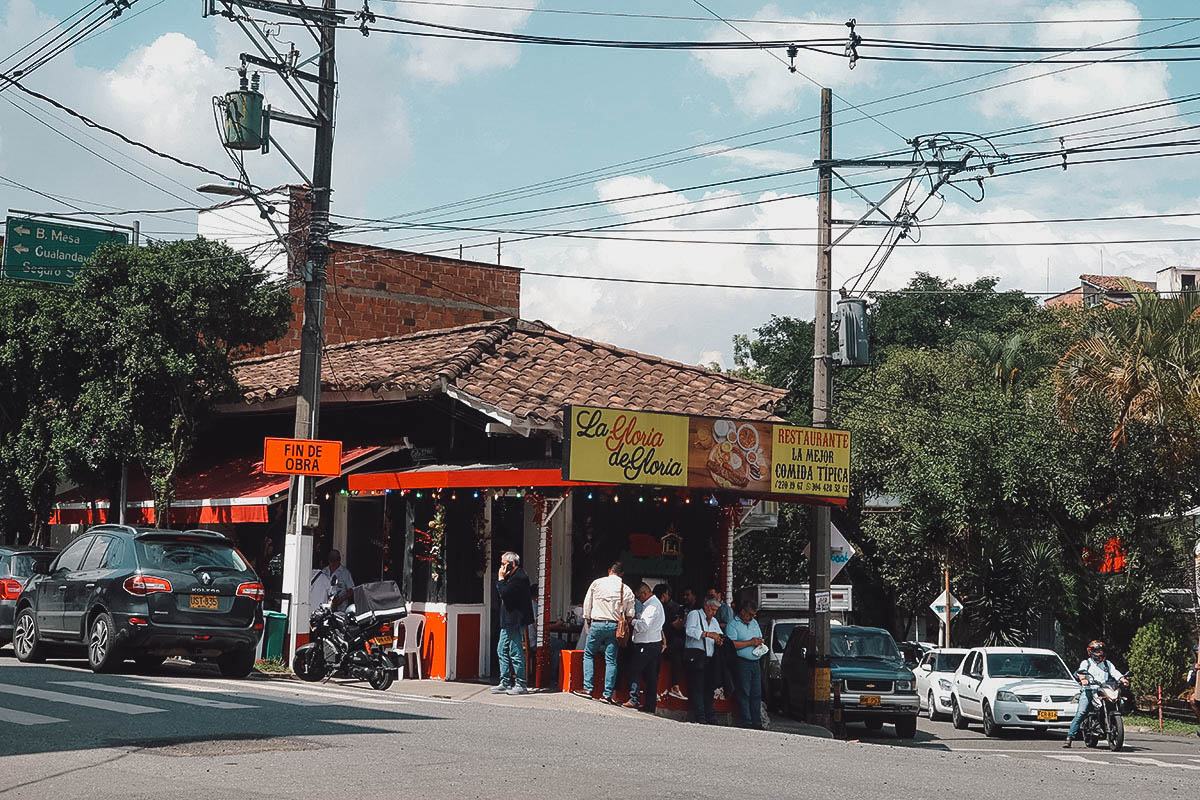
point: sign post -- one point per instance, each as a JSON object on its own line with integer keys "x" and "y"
{"x": 946, "y": 611}
{"x": 50, "y": 252}
{"x": 302, "y": 458}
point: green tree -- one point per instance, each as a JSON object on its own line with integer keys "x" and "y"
{"x": 1158, "y": 657}
{"x": 161, "y": 326}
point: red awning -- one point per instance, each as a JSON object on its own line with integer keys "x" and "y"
{"x": 232, "y": 490}
{"x": 462, "y": 478}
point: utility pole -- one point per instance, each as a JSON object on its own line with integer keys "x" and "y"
{"x": 818, "y": 562}
{"x": 322, "y": 23}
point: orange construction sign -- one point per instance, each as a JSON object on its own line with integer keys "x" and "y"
{"x": 302, "y": 457}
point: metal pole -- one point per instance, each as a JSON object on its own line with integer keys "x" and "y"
{"x": 308, "y": 398}
{"x": 818, "y": 564}
{"x": 946, "y": 610}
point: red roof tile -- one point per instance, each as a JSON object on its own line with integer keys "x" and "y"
{"x": 1112, "y": 283}
{"x": 528, "y": 370}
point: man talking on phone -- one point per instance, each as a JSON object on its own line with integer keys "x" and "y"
{"x": 516, "y": 612}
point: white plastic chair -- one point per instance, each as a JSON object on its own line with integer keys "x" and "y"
{"x": 414, "y": 633}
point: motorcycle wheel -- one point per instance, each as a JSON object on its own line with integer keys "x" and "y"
{"x": 1116, "y": 733}
{"x": 306, "y": 664}
{"x": 381, "y": 679}
{"x": 1091, "y": 741}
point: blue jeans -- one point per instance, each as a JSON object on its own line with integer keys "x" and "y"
{"x": 601, "y": 634}
{"x": 749, "y": 691}
{"x": 1085, "y": 697}
{"x": 512, "y": 656}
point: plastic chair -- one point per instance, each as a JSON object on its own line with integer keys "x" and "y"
{"x": 414, "y": 633}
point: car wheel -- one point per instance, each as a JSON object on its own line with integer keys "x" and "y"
{"x": 990, "y": 728}
{"x": 906, "y": 727}
{"x": 934, "y": 716}
{"x": 236, "y": 664}
{"x": 25, "y": 638}
{"x": 102, "y": 644}
{"x": 956, "y": 716}
{"x": 148, "y": 662}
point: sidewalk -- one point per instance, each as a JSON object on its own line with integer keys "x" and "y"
{"x": 547, "y": 699}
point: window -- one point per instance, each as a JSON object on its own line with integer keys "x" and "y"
{"x": 186, "y": 555}
{"x": 863, "y": 644}
{"x": 23, "y": 564}
{"x": 1042, "y": 666}
{"x": 1187, "y": 282}
{"x": 117, "y": 556}
{"x": 95, "y": 555}
{"x": 947, "y": 662}
{"x": 71, "y": 558}
{"x": 974, "y": 667}
{"x": 782, "y": 632}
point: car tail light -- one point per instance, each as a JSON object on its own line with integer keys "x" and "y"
{"x": 201, "y": 636}
{"x": 258, "y": 626}
{"x": 9, "y": 589}
{"x": 146, "y": 584}
{"x": 254, "y": 591}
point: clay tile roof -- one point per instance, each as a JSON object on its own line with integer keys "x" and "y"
{"x": 528, "y": 370}
{"x": 1112, "y": 283}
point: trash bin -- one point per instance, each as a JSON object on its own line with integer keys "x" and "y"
{"x": 275, "y": 628}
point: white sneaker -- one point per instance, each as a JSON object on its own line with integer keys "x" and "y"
{"x": 719, "y": 694}
{"x": 676, "y": 693}
{"x": 501, "y": 689}
{"x": 518, "y": 689}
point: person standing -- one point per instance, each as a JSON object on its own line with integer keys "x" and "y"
{"x": 702, "y": 637}
{"x": 726, "y": 682}
{"x": 673, "y": 634}
{"x": 745, "y": 636}
{"x": 331, "y": 584}
{"x": 648, "y": 646}
{"x": 1194, "y": 697}
{"x": 607, "y": 602}
{"x": 516, "y": 612}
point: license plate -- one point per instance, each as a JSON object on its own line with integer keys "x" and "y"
{"x": 868, "y": 700}
{"x": 203, "y": 602}
{"x": 1048, "y": 716}
{"x": 383, "y": 641}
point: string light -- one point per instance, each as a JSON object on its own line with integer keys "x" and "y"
{"x": 475, "y": 495}
{"x": 418, "y": 495}
{"x": 589, "y": 495}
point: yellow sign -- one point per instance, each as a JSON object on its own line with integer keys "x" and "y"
{"x": 810, "y": 461}
{"x": 613, "y": 446}
{"x": 752, "y": 457}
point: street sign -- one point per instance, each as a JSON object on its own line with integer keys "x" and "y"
{"x": 314, "y": 457}
{"x": 840, "y": 551}
{"x": 49, "y": 252}
{"x": 939, "y": 606}
{"x": 822, "y": 602}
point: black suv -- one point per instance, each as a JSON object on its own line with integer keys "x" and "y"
{"x": 17, "y": 563}
{"x": 145, "y": 594}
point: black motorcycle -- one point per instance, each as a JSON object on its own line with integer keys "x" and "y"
{"x": 1103, "y": 719}
{"x": 355, "y": 643}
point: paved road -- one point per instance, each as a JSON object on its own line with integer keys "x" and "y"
{"x": 65, "y": 732}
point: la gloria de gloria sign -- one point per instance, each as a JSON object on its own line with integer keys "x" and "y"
{"x": 611, "y": 445}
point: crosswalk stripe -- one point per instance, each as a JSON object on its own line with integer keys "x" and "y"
{"x": 322, "y": 694}
{"x": 25, "y": 717}
{"x": 1079, "y": 760}
{"x": 1154, "y": 762}
{"x": 199, "y": 687}
{"x": 148, "y": 695}
{"x": 77, "y": 700}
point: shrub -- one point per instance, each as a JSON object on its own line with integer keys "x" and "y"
{"x": 1158, "y": 656}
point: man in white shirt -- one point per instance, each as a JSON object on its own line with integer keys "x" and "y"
{"x": 331, "y": 584}
{"x": 1095, "y": 670}
{"x": 608, "y": 599}
{"x": 648, "y": 647}
{"x": 702, "y": 637}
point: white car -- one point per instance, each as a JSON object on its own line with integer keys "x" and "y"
{"x": 1013, "y": 687}
{"x": 935, "y": 679}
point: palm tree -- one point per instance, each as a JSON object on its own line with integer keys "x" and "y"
{"x": 1141, "y": 363}
{"x": 1006, "y": 358}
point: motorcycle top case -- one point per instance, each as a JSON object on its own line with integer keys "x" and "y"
{"x": 379, "y": 602}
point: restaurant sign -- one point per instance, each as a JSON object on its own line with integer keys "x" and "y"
{"x": 612, "y": 445}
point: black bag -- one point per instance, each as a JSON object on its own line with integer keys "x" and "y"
{"x": 379, "y": 602}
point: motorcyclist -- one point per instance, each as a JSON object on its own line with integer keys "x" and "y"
{"x": 1095, "y": 670}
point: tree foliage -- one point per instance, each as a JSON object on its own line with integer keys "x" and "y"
{"x": 1158, "y": 656}
{"x": 121, "y": 367}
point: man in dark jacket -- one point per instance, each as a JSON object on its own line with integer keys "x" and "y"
{"x": 516, "y": 611}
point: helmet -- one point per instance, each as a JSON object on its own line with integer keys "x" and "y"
{"x": 1095, "y": 647}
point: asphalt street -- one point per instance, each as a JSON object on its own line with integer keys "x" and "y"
{"x": 186, "y": 732}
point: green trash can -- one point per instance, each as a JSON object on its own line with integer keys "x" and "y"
{"x": 275, "y": 628}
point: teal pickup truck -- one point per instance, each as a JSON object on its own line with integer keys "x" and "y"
{"x": 866, "y": 668}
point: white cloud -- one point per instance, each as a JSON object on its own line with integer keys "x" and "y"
{"x": 448, "y": 60}
{"x": 758, "y": 158}
{"x": 760, "y": 84}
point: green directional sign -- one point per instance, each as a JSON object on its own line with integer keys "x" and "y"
{"x": 48, "y": 252}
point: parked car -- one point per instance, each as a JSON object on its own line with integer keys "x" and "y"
{"x": 1013, "y": 687}
{"x": 144, "y": 593}
{"x": 913, "y": 652}
{"x": 866, "y": 668}
{"x": 935, "y": 679}
{"x": 16, "y": 566}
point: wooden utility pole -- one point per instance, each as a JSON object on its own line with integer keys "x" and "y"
{"x": 946, "y": 610}
{"x": 818, "y": 563}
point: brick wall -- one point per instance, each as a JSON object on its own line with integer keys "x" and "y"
{"x": 372, "y": 292}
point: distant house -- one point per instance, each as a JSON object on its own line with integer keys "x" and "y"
{"x": 1178, "y": 279}
{"x": 1095, "y": 290}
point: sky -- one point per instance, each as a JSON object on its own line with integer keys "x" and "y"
{"x": 428, "y": 126}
